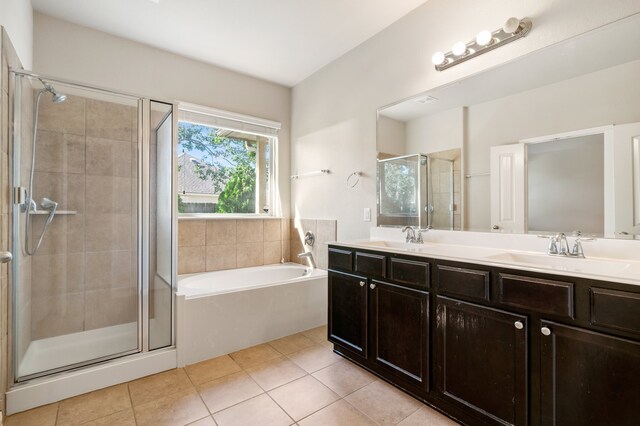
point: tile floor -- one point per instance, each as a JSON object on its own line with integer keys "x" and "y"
{"x": 293, "y": 380}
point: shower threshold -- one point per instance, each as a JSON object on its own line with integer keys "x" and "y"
{"x": 55, "y": 353}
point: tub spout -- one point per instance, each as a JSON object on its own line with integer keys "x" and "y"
{"x": 309, "y": 256}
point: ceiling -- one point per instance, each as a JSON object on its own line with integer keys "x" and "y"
{"x": 283, "y": 41}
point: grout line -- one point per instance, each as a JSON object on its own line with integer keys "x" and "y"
{"x": 133, "y": 411}
{"x": 57, "y": 413}
{"x": 362, "y": 412}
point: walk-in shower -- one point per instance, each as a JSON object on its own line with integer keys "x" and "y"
{"x": 92, "y": 226}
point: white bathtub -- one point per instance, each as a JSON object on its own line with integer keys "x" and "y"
{"x": 225, "y": 311}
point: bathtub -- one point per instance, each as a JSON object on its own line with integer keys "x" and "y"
{"x": 225, "y": 311}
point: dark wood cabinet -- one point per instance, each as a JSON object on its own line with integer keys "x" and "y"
{"x": 348, "y": 304}
{"x": 481, "y": 360}
{"x": 400, "y": 332}
{"x": 588, "y": 378}
{"x": 489, "y": 345}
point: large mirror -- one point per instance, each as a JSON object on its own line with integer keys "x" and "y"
{"x": 547, "y": 143}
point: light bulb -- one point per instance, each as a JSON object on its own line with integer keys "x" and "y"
{"x": 511, "y": 26}
{"x": 459, "y": 48}
{"x": 438, "y": 58}
{"x": 484, "y": 38}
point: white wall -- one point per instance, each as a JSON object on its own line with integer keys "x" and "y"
{"x": 16, "y": 16}
{"x": 76, "y": 53}
{"x": 334, "y": 110}
{"x": 436, "y": 132}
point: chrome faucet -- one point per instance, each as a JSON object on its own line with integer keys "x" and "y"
{"x": 411, "y": 235}
{"x": 309, "y": 257}
{"x": 559, "y": 245}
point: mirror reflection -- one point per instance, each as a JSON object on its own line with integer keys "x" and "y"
{"x": 546, "y": 141}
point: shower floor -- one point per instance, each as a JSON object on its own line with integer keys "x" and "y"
{"x": 60, "y": 351}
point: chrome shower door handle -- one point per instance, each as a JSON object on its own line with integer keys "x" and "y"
{"x": 5, "y": 257}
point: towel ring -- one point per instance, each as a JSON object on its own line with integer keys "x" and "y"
{"x": 351, "y": 182}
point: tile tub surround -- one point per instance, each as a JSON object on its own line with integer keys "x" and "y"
{"x": 293, "y": 380}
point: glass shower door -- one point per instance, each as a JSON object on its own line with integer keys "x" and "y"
{"x": 75, "y": 226}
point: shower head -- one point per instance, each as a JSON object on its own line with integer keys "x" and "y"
{"x": 57, "y": 97}
{"x": 48, "y": 204}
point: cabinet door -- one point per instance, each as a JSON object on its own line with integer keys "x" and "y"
{"x": 348, "y": 311}
{"x": 481, "y": 360}
{"x": 588, "y": 378}
{"x": 400, "y": 331}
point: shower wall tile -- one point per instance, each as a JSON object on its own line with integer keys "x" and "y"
{"x": 75, "y": 233}
{"x": 108, "y": 157}
{"x": 108, "y": 270}
{"x": 57, "y": 274}
{"x": 324, "y": 230}
{"x": 108, "y": 231}
{"x": 67, "y": 117}
{"x": 108, "y": 120}
{"x": 108, "y": 194}
{"x": 106, "y": 308}
{"x": 249, "y": 231}
{"x": 221, "y": 231}
{"x": 219, "y": 257}
{"x": 60, "y": 152}
{"x": 250, "y": 254}
{"x": 75, "y": 193}
{"x": 191, "y": 260}
{"x": 55, "y": 239}
{"x": 57, "y": 315}
{"x": 191, "y": 233}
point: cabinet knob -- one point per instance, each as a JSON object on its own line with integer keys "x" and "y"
{"x": 519, "y": 325}
{"x": 362, "y": 283}
{"x": 372, "y": 286}
{"x": 546, "y": 331}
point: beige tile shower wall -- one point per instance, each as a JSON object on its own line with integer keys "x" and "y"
{"x": 217, "y": 244}
{"x": 324, "y": 231}
{"x": 83, "y": 276}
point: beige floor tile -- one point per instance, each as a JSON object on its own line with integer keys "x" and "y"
{"x": 314, "y": 358}
{"x": 122, "y": 418}
{"x": 318, "y": 334}
{"x": 207, "y": 421}
{"x": 227, "y": 391}
{"x": 339, "y": 413}
{"x": 211, "y": 369}
{"x": 291, "y": 344}
{"x": 93, "y": 405}
{"x": 344, "y": 377}
{"x": 179, "y": 408}
{"x": 254, "y": 355}
{"x": 427, "y": 416}
{"x": 303, "y": 397}
{"x": 274, "y": 373}
{"x": 260, "y": 410}
{"x": 41, "y": 416}
{"x": 383, "y": 403}
{"x": 158, "y": 385}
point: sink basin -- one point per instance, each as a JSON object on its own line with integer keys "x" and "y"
{"x": 591, "y": 266}
{"x": 393, "y": 245}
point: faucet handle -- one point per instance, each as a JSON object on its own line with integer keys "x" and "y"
{"x": 552, "y": 248}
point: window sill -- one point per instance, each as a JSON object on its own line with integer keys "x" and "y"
{"x": 223, "y": 216}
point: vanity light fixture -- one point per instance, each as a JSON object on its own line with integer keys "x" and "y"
{"x": 512, "y": 30}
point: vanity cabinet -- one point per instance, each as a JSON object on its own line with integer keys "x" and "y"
{"x": 481, "y": 360}
{"x": 490, "y": 345}
{"x": 382, "y": 323}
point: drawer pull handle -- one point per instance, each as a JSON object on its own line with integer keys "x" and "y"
{"x": 546, "y": 331}
{"x": 372, "y": 286}
{"x": 362, "y": 283}
{"x": 519, "y": 325}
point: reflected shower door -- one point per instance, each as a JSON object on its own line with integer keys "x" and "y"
{"x": 76, "y": 296}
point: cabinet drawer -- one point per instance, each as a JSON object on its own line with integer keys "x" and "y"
{"x": 371, "y": 264}
{"x": 536, "y": 294}
{"x": 463, "y": 282}
{"x": 615, "y": 309}
{"x": 340, "y": 259}
{"x": 409, "y": 272}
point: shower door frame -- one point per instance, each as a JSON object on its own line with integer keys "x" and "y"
{"x": 142, "y": 239}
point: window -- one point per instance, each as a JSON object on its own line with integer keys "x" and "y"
{"x": 226, "y": 162}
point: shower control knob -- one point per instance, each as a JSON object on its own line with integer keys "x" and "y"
{"x": 362, "y": 283}
{"x": 372, "y": 286}
{"x": 5, "y": 256}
